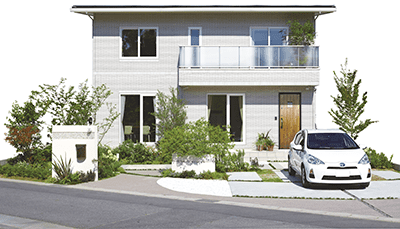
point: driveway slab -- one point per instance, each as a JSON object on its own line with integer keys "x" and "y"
{"x": 244, "y": 176}
{"x": 378, "y": 189}
{"x": 272, "y": 189}
{"x": 388, "y": 175}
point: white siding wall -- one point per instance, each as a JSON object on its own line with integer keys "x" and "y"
{"x": 140, "y": 76}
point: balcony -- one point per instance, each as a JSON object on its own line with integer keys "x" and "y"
{"x": 270, "y": 57}
{"x": 248, "y": 66}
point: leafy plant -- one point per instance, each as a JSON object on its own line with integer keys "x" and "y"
{"x": 108, "y": 163}
{"x": 24, "y": 127}
{"x": 170, "y": 112}
{"x": 349, "y": 108}
{"x": 132, "y": 153}
{"x": 68, "y": 106}
{"x": 61, "y": 167}
{"x": 301, "y": 34}
{"x": 23, "y": 169}
{"x": 195, "y": 139}
{"x": 378, "y": 161}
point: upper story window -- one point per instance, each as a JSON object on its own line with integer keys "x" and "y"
{"x": 195, "y": 36}
{"x": 269, "y": 36}
{"x": 139, "y": 42}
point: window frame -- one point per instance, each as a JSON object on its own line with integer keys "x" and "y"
{"x": 269, "y": 34}
{"x": 228, "y": 112}
{"x": 121, "y": 28}
{"x": 141, "y": 116}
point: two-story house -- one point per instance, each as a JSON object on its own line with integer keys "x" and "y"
{"x": 232, "y": 65}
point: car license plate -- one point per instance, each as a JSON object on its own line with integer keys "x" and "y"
{"x": 342, "y": 173}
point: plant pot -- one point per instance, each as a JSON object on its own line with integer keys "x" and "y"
{"x": 271, "y": 148}
{"x": 259, "y": 147}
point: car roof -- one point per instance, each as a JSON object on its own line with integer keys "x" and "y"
{"x": 312, "y": 131}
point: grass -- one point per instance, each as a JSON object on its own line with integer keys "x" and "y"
{"x": 268, "y": 175}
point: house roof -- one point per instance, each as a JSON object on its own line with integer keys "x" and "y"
{"x": 91, "y": 9}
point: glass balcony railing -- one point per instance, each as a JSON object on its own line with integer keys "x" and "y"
{"x": 248, "y": 57}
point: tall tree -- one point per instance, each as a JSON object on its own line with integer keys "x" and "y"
{"x": 170, "y": 111}
{"x": 349, "y": 107}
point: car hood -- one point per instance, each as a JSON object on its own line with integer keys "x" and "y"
{"x": 337, "y": 156}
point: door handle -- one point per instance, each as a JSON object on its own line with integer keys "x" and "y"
{"x": 281, "y": 122}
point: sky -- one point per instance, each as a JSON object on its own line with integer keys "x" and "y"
{"x": 43, "y": 41}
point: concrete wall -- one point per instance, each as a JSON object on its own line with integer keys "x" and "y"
{"x": 65, "y": 142}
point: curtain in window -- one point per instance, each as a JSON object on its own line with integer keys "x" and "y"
{"x": 123, "y": 99}
{"x": 241, "y": 115}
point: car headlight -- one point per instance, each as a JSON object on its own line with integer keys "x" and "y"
{"x": 315, "y": 161}
{"x": 364, "y": 160}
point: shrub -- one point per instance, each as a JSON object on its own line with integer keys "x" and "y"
{"x": 192, "y": 174}
{"x": 196, "y": 139}
{"x": 108, "y": 163}
{"x": 38, "y": 155}
{"x": 232, "y": 162}
{"x": 136, "y": 153}
{"x": 23, "y": 169}
{"x": 378, "y": 161}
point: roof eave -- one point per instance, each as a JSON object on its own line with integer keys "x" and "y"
{"x": 90, "y": 10}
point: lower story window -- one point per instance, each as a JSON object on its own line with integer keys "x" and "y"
{"x": 137, "y": 121}
{"x": 227, "y": 110}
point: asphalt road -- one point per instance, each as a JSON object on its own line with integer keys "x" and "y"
{"x": 76, "y": 208}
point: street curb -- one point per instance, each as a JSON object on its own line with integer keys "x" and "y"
{"x": 224, "y": 202}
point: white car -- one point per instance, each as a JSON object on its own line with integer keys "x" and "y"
{"x": 328, "y": 157}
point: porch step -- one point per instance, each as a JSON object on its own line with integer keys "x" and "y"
{"x": 265, "y": 156}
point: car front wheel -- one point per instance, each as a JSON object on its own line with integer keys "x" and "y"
{"x": 291, "y": 171}
{"x": 304, "y": 180}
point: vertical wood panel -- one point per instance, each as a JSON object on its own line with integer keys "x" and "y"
{"x": 289, "y": 121}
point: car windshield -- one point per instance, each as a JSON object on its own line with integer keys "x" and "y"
{"x": 330, "y": 141}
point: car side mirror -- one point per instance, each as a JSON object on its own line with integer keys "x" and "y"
{"x": 298, "y": 147}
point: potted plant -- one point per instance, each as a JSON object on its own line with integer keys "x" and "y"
{"x": 259, "y": 144}
{"x": 269, "y": 144}
{"x": 263, "y": 141}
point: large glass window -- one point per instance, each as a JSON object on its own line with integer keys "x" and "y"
{"x": 141, "y": 42}
{"x": 269, "y": 36}
{"x": 278, "y": 36}
{"x": 227, "y": 110}
{"x": 138, "y": 123}
{"x": 259, "y": 36}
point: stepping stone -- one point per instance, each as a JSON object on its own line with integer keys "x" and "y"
{"x": 388, "y": 175}
{"x": 244, "y": 176}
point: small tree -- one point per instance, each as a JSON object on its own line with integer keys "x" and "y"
{"x": 170, "y": 112}
{"x": 24, "y": 128}
{"x": 349, "y": 108}
{"x": 301, "y": 34}
{"x": 68, "y": 106}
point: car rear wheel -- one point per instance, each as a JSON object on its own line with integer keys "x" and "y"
{"x": 304, "y": 180}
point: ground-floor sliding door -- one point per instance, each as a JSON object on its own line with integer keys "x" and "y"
{"x": 227, "y": 110}
{"x": 137, "y": 121}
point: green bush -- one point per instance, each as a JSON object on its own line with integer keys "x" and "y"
{"x": 23, "y": 169}
{"x": 108, "y": 163}
{"x": 232, "y": 162}
{"x": 133, "y": 153}
{"x": 378, "y": 161}
{"x": 192, "y": 174}
{"x": 38, "y": 155}
{"x": 196, "y": 139}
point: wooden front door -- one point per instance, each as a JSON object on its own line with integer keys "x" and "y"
{"x": 289, "y": 120}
